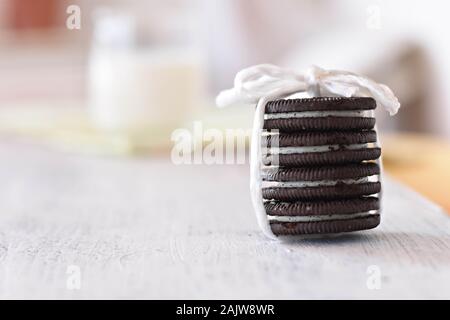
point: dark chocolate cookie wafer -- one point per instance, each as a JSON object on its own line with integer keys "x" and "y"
{"x": 320, "y": 104}
{"x": 308, "y": 208}
{"x": 348, "y": 171}
{"x": 320, "y": 124}
{"x": 339, "y": 191}
{"x": 323, "y": 158}
{"x": 325, "y": 227}
{"x": 301, "y": 139}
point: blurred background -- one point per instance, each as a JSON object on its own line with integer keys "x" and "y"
{"x": 115, "y": 78}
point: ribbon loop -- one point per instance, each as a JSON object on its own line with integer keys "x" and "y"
{"x": 266, "y": 80}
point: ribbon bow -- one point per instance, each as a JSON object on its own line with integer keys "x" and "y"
{"x": 266, "y": 80}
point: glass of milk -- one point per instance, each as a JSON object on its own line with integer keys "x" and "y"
{"x": 141, "y": 91}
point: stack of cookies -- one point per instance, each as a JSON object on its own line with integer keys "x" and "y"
{"x": 321, "y": 174}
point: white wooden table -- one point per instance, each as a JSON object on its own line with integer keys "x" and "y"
{"x": 144, "y": 228}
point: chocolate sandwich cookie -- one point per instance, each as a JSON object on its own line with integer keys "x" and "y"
{"x": 320, "y": 114}
{"x": 325, "y": 182}
{"x": 328, "y": 157}
{"x": 301, "y": 139}
{"x": 320, "y": 124}
{"x": 313, "y": 208}
{"x": 338, "y": 190}
{"x": 316, "y": 227}
{"x": 349, "y": 171}
{"x": 320, "y": 104}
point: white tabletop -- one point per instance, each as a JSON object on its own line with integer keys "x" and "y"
{"x": 74, "y": 226}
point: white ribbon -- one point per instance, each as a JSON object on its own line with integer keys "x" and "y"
{"x": 265, "y": 80}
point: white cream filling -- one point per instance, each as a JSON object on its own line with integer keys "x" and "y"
{"x": 324, "y": 148}
{"x": 319, "y": 114}
{"x": 321, "y": 217}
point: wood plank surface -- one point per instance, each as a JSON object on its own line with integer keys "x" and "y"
{"x": 145, "y": 228}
